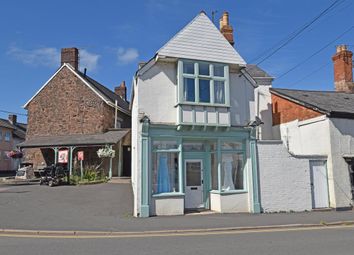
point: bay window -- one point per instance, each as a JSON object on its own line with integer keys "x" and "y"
{"x": 204, "y": 83}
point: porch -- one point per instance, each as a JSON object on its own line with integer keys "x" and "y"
{"x": 47, "y": 150}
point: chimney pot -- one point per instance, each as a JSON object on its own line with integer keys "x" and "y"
{"x": 343, "y": 69}
{"x": 70, "y": 56}
{"x": 121, "y": 91}
{"x": 226, "y": 29}
{"x": 13, "y": 119}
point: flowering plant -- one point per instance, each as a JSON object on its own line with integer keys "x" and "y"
{"x": 106, "y": 152}
{"x": 15, "y": 154}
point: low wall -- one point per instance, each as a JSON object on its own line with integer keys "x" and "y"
{"x": 284, "y": 179}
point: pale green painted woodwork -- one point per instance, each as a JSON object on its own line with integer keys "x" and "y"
{"x": 145, "y": 194}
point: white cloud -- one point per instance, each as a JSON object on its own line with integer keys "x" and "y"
{"x": 88, "y": 60}
{"x": 128, "y": 55}
{"x": 49, "y": 56}
{"x": 43, "y": 56}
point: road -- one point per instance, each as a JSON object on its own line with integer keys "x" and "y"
{"x": 338, "y": 241}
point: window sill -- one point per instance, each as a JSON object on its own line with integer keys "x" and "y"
{"x": 203, "y": 104}
{"x": 169, "y": 194}
{"x": 228, "y": 192}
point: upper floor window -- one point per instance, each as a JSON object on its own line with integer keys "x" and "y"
{"x": 7, "y": 136}
{"x": 202, "y": 82}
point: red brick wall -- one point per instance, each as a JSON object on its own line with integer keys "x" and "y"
{"x": 285, "y": 111}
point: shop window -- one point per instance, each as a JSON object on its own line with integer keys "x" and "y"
{"x": 232, "y": 171}
{"x": 193, "y": 147}
{"x": 165, "y": 172}
{"x": 164, "y": 145}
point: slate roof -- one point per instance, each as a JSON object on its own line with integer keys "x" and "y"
{"x": 19, "y": 129}
{"x": 110, "y": 137}
{"x": 109, "y": 94}
{"x": 331, "y": 103}
{"x": 201, "y": 40}
{"x": 256, "y": 72}
{"x": 105, "y": 93}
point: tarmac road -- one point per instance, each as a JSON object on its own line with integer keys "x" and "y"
{"x": 332, "y": 241}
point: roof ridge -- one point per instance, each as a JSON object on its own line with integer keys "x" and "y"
{"x": 305, "y": 90}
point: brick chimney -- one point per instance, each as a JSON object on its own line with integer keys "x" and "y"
{"x": 226, "y": 29}
{"x": 13, "y": 119}
{"x": 70, "y": 56}
{"x": 121, "y": 91}
{"x": 343, "y": 69}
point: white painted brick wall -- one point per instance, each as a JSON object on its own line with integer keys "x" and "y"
{"x": 284, "y": 179}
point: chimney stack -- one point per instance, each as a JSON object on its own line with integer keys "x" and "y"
{"x": 226, "y": 29}
{"x": 70, "y": 56}
{"x": 121, "y": 91}
{"x": 343, "y": 69}
{"x": 13, "y": 119}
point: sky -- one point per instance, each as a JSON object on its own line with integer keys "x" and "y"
{"x": 114, "y": 36}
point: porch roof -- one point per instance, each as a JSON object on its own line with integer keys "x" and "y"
{"x": 110, "y": 137}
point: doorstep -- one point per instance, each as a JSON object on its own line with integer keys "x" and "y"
{"x": 120, "y": 180}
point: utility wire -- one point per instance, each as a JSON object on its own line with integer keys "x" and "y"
{"x": 315, "y": 53}
{"x": 295, "y": 34}
{"x": 310, "y": 74}
{"x": 17, "y": 113}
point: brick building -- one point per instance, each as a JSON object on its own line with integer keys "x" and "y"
{"x": 11, "y": 134}
{"x": 73, "y": 112}
{"x": 321, "y": 123}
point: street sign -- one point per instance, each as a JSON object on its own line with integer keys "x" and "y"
{"x": 80, "y": 155}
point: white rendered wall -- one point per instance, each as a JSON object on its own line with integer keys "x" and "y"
{"x": 163, "y": 206}
{"x": 284, "y": 179}
{"x": 342, "y": 143}
{"x": 157, "y": 92}
{"x": 264, "y": 112}
{"x": 135, "y": 154}
{"x": 241, "y": 99}
{"x": 229, "y": 203}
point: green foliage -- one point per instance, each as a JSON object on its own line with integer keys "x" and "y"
{"x": 91, "y": 174}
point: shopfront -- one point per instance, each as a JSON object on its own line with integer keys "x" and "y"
{"x": 193, "y": 170}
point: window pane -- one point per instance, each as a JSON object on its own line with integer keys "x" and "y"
{"x": 232, "y": 171}
{"x": 204, "y": 69}
{"x": 188, "y": 67}
{"x": 165, "y": 172}
{"x": 218, "y": 70}
{"x": 7, "y": 136}
{"x": 193, "y": 173}
{"x": 193, "y": 147}
{"x": 204, "y": 91}
{"x": 219, "y": 92}
{"x": 188, "y": 90}
{"x": 164, "y": 145}
{"x": 231, "y": 146}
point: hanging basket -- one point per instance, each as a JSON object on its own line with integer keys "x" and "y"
{"x": 106, "y": 152}
{"x": 15, "y": 154}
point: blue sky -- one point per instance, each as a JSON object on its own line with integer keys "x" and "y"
{"x": 113, "y": 36}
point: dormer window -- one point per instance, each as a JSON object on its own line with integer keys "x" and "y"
{"x": 203, "y": 83}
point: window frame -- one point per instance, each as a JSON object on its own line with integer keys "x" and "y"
{"x": 196, "y": 76}
{"x": 177, "y": 150}
{"x": 7, "y": 136}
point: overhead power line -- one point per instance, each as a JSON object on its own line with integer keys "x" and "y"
{"x": 271, "y": 51}
{"x": 315, "y": 53}
{"x": 17, "y": 113}
{"x": 310, "y": 74}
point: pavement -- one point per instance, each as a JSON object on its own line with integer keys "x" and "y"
{"x": 108, "y": 208}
